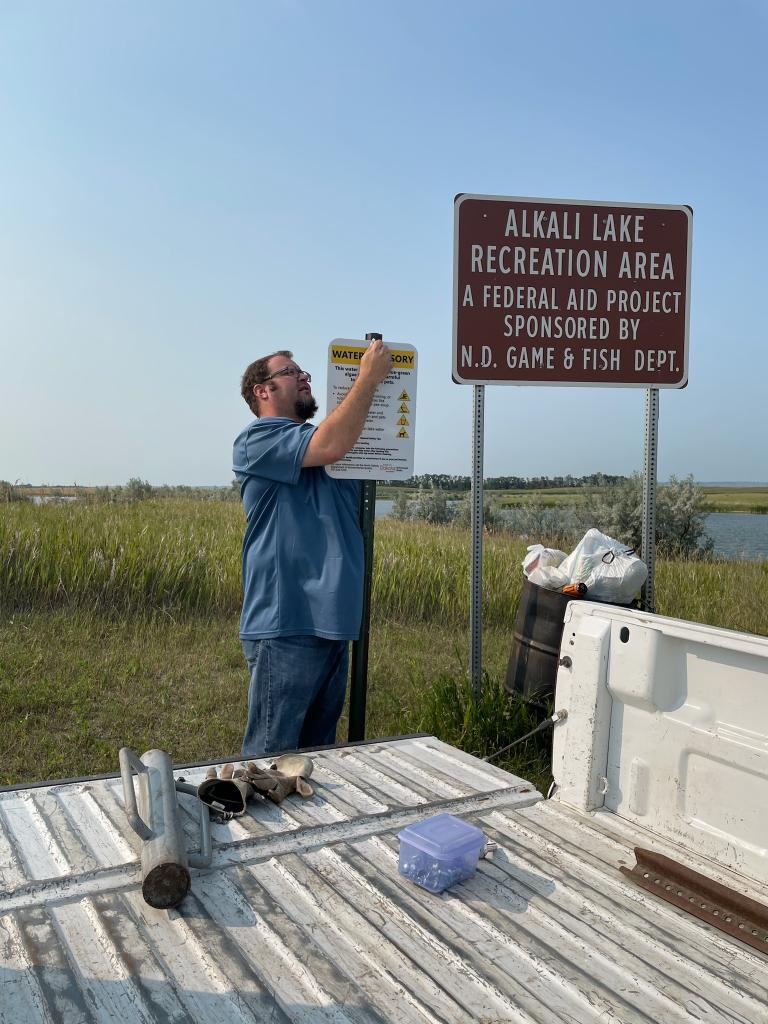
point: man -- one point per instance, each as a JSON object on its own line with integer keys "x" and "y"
{"x": 302, "y": 551}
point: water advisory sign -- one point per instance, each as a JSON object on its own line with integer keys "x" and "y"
{"x": 563, "y": 292}
{"x": 384, "y": 450}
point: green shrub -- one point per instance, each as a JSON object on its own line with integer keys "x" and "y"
{"x": 618, "y": 511}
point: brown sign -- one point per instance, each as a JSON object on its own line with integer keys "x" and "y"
{"x": 550, "y": 291}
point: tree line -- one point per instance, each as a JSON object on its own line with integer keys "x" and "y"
{"x": 137, "y": 489}
{"x": 452, "y": 482}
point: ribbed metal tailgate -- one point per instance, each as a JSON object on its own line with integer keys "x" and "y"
{"x": 304, "y": 917}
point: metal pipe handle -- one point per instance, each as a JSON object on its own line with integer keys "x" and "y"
{"x": 130, "y": 762}
{"x": 202, "y": 859}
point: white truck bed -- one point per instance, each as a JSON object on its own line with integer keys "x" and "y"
{"x": 304, "y": 917}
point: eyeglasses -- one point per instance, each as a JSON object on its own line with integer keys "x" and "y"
{"x": 290, "y": 371}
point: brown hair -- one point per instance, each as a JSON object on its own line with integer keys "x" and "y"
{"x": 256, "y": 373}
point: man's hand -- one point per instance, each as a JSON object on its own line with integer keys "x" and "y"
{"x": 375, "y": 362}
{"x": 340, "y": 429}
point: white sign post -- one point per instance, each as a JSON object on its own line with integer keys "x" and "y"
{"x": 384, "y": 450}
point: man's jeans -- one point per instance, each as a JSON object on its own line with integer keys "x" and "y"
{"x": 296, "y": 693}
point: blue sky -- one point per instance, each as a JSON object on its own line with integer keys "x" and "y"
{"x": 186, "y": 186}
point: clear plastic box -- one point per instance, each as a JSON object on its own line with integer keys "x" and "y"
{"x": 440, "y": 851}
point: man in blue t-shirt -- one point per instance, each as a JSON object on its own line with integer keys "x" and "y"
{"x": 302, "y": 551}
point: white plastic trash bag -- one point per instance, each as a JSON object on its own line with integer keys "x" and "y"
{"x": 610, "y": 570}
{"x": 549, "y": 576}
{"x": 539, "y": 557}
{"x": 620, "y": 580}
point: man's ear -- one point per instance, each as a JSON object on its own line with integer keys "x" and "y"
{"x": 259, "y": 392}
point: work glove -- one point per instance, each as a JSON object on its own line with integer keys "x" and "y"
{"x": 288, "y": 774}
{"x": 226, "y": 794}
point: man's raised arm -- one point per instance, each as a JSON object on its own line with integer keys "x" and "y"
{"x": 339, "y": 431}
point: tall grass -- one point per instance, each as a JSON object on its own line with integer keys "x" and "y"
{"x": 422, "y": 574}
{"x": 485, "y": 725}
{"x": 151, "y": 556}
{"x": 183, "y": 557}
{"x": 731, "y": 594}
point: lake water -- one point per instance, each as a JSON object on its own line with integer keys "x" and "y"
{"x": 736, "y": 534}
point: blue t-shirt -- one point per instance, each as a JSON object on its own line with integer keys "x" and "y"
{"x": 303, "y": 549}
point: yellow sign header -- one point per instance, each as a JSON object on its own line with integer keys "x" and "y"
{"x": 350, "y": 356}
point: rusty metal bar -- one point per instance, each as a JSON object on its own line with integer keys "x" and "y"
{"x": 731, "y": 912}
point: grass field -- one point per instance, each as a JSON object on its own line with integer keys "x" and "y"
{"x": 118, "y": 626}
{"x": 77, "y": 688}
{"x": 737, "y": 499}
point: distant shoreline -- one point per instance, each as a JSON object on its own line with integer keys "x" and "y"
{"x": 75, "y": 489}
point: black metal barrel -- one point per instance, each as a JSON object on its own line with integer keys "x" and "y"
{"x": 532, "y": 667}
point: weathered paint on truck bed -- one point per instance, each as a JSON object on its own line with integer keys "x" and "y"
{"x": 304, "y": 917}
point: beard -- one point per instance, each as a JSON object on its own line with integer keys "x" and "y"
{"x": 306, "y": 407}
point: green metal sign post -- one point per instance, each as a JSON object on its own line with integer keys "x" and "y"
{"x": 358, "y": 691}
